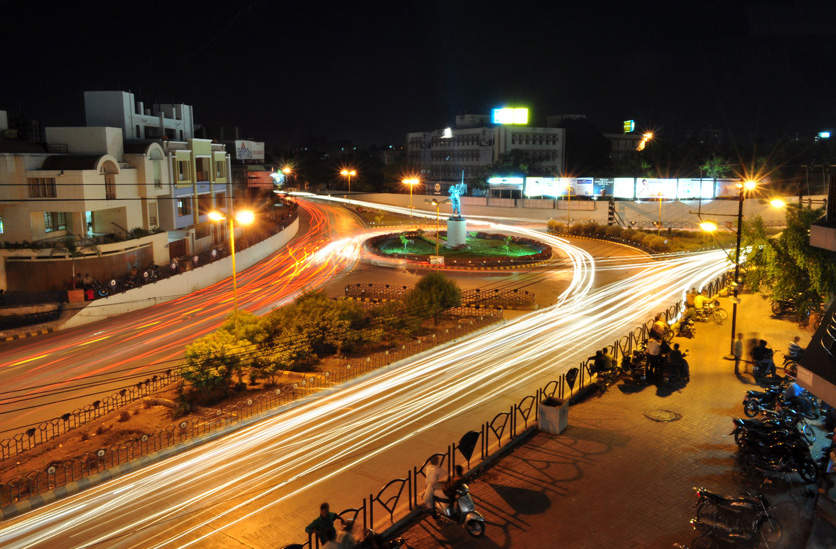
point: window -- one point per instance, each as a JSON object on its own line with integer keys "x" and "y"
{"x": 202, "y": 169}
{"x": 158, "y": 180}
{"x": 183, "y": 170}
{"x": 152, "y": 214}
{"x": 184, "y": 206}
{"x": 2, "y": 226}
{"x": 220, "y": 170}
{"x": 55, "y": 221}
{"x": 41, "y": 187}
{"x": 110, "y": 186}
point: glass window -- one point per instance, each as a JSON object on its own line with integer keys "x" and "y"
{"x": 41, "y": 187}
{"x": 2, "y": 226}
{"x": 220, "y": 169}
{"x": 55, "y": 221}
{"x": 184, "y": 206}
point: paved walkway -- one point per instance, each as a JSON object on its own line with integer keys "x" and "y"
{"x": 616, "y": 478}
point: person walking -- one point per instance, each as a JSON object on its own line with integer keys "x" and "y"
{"x": 795, "y": 350}
{"x": 323, "y": 525}
{"x": 738, "y": 353}
{"x": 433, "y": 475}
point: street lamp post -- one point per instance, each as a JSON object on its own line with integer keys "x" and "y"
{"x": 437, "y": 205}
{"x": 244, "y": 217}
{"x": 568, "y": 204}
{"x": 348, "y": 173}
{"x": 748, "y": 185}
{"x": 660, "y": 213}
{"x": 287, "y": 171}
{"x": 411, "y": 182}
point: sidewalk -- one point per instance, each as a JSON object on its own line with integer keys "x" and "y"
{"x": 616, "y": 477}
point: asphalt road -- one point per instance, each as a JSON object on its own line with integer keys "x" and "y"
{"x": 260, "y": 486}
{"x": 46, "y": 376}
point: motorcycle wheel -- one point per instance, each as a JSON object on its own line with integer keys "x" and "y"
{"x": 808, "y": 471}
{"x": 808, "y": 434}
{"x": 770, "y": 532}
{"x": 720, "y": 316}
{"x": 475, "y": 528}
{"x": 750, "y": 408}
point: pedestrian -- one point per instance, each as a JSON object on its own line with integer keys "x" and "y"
{"x": 659, "y": 326}
{"x": 654, "y": 355}
{"x": 323, "y": 525}
{"x": 433, "y": 475}
{"x": 738, "y": 353}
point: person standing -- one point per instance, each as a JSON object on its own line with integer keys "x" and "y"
{"x": 795, "y": 349}
{"x": 323, "y": 525}
{"x": 738, "y": 353}
{"x": 433, "y": 475}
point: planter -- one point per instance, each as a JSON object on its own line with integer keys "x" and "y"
{"x": 553, "y": 415}
{"x": 75, "y": 296}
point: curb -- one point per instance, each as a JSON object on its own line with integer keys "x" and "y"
{"x": 72, "y": 488}
{"x": 25, "y": 335}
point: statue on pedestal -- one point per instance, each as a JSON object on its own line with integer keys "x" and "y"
{"x": 456, "y": 191}
{"x": 456, "y": 224}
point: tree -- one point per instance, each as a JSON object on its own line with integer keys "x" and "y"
{"x": 433, "y": 294}
{"x": 715, "y": 167}
{"x": 786, "y": 266}
{"x": 211, "y": 361}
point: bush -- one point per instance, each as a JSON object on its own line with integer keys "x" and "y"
{"x": 433, "y": 294}
{"x": 556, "y": 226}
{"x": 212, "y": 360}
{"x": 613, "y": 231}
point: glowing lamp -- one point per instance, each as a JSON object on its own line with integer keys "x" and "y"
{"x": 245, "y": 217}
{"x": 287, "y": 170}
{"x": 215, "y": 215}
{"x": 777, "y": 203}
{"x": 510, "y": 115}
{"x": 708, "y": 226}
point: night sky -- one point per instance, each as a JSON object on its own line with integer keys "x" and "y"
{"x": 372, "y": 71}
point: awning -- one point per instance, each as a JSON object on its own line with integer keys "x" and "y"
{"x": 818, "y": 367}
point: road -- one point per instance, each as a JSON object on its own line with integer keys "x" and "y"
{"x": 260, "y": 486}
{"x": 49, "y": 375}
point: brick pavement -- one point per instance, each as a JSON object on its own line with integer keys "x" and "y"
{"x": 615, "y": 478}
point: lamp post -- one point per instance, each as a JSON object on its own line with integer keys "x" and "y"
{"x": 348, "y": 173}
{"x": 287, "y": 170}
{"x": 411, "y": 182}
{"x": 244, "y": 217}
{"x": 437, "y": 205}
{"x": 660, "y": 213}
{"x": 568, "y": 204}
{"x": 748, "y": 185}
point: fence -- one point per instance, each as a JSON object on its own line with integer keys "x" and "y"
{"x": 474, "y": 297}
{"x": 505, "y": 428}
{"x": 59, "y": 474}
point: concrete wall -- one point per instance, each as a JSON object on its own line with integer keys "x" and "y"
{"x": 674, "y": 214}
{"x": 179, "y": 285}
{"x": 88, "y": 140}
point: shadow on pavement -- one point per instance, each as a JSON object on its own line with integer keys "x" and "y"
{"x": 523, "y": 500}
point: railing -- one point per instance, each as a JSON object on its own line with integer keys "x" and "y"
{"x": 56, "y": 475}
{"x": 505, "y": 428}
{"x": 475, "y": 297}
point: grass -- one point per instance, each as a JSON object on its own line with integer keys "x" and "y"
{"x": 476, "y": 247}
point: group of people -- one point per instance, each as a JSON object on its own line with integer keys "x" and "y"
{"x": 433, "y": 484}
{"x": 695, "y": 301}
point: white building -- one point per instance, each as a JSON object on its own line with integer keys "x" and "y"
{"x": 120, "y": 109}
{"x": 473, "y": 145}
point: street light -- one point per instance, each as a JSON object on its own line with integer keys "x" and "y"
{"x": 777, "y": 203}
{"x": 568, "y": 203}
{"x": 243, "y": 217}
{"x": 748, "y": 185}
{"x": 660, "y": 212}
{"x": 647, "y": 137}
{"x": 348, "y": 173}
{"x": 708, "y": 226}
{"x": 411, "y": 182}
{"x": 437, "y": 205}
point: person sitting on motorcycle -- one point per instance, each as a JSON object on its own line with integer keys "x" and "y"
{"x": 659, "y": 328}
{"x": 450, "y": 488}
{"x": 762, "y": 356}
{"x": 701, "y": 302}
{"x": 601, "y": 362}
{"x": 677, "y": 361}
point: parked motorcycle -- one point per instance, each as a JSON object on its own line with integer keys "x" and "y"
{"x": 756, "y": 401}
{"x": 376, "y": 541}
{"x": 711, "y": 311}
{"x": 462, "y": 511}
{"x": 735, "y": 519}
{"x": 781, "y": 458}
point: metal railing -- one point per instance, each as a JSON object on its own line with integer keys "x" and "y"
{"x": 474, "y": 297}
{"x": 505, "y": 428}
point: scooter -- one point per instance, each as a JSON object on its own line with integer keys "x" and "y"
{"x": 462, "y": 511}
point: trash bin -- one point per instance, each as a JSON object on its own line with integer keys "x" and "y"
{"x": 553, "y": 415}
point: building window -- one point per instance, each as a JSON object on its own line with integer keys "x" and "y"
{"x": 184, "y": 206}
{"x": 182, "y": 170}
{"x": 152, "y": 214}
{"x": 41, "y": 187}
{"x": 220, "y": 170}
{"x": 55, "y": 221}
{"x": 158, "y": 178}
{"x": 110, "y": 186}
{"x": 2, "y": 226}
{"x": 202, "y": 169}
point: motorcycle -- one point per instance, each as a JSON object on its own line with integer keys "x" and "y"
{"x": 757, "y": 401}
{"x": 735, "y": 519}
{"x": 462, "y": 511}
{"x": 782, "y": 458}
{"x": 711, "y": 311}
{"x": 373, "y": 540}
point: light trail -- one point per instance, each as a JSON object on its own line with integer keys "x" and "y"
{"x": 184, "y": 500}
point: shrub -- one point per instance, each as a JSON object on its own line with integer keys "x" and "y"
{"x": 556, "y": 226}
{"x": 433, "y": 294}
{"x": 613, "y": 231}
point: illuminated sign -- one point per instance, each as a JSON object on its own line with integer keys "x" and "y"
{"x": 506, "y": 181}
{"x": 541, "y": 186}
{"x": 249, "y": 150}
{"x": 510, "y": 115}
{"x": 447, "y": 133}
{"x": 629, "y": 126}
{"x": 824, "y": 135}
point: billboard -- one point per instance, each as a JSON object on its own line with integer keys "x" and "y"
{"x": 249, "y": 150}
{"x": 692, "y": 189}
{"x": 510, "y": 115}
{"x": 624, "y": 187}
{"x": 505, "y": 181}
{"x": 629, "y": 126}
{"x": 556, "y": 186}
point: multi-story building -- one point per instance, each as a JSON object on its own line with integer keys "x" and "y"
{"x": 474, "y": 145}
{"x": 120, "y": 109}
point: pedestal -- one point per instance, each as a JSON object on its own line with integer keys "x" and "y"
{"x": 456, "y": 232}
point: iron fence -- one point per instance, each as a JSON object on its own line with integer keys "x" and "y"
{"x": 475, "y": 297}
